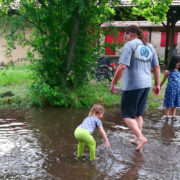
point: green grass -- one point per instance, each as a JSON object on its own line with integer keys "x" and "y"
{"x": 161, "y": 60}
{"x": 156, "y": 101}
{"x": 98, "y": 93}
{"x": 17, "y": 79}
{"x": 14, "y": 75}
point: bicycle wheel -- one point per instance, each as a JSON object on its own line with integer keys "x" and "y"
{"x": 104, "y": 75}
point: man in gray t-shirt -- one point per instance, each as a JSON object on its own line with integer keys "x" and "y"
{"x": 137, "y": 75}
{"x": 135, "y": 63}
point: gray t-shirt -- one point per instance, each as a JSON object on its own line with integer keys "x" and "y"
{"x": 90, "y": 123}
{"x": 139, "y": 60}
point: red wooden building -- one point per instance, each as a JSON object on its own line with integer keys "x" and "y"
{"x": 155, "y": 33}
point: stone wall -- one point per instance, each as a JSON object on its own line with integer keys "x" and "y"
{"x": 17, "y": 54}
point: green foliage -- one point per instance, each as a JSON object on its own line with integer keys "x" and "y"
{"x": 42, "y": 95}
{"x": 124, "y": 13}
{"x": 154, "y": 11}
{"x": 51, "y": 24}
{"x": 115, "y": 44}
{"x": 82, "y": 97}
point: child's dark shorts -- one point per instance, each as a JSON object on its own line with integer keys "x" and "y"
{"x": 133, "y": 102}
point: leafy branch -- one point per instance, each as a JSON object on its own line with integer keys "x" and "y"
{"x": 154, "y": 11}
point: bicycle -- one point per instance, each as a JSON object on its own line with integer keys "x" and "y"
{"x": 105, "y": 71}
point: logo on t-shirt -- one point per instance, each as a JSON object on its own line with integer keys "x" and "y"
{"x": 143, "y": 53}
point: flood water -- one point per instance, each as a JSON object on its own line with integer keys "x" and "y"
{"x": 40, "y": 144}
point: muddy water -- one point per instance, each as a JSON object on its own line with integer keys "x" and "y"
{"x": 39, "y": 144}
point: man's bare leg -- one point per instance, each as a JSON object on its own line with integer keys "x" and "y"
{"x": 132, "y": 124}
{"x": 139, "y": 121}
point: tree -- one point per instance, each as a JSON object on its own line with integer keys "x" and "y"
{"x": 154, "y": 11}
{"x": 62, "y": 43}
{"x": 158, "y": 11}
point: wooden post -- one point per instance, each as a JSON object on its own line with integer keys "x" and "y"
{"x": 167, "y": 42}
{"x": 172, "y": 32}
{"x": 150, "y": 34}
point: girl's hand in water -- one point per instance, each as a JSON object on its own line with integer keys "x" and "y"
{"x": 106, "y": 144}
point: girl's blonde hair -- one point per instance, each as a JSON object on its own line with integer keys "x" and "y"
{"x": 96, "y": 109}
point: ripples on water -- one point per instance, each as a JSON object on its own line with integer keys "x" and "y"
{"x": 39, "y": 144}
{"x": 20, "y": 153}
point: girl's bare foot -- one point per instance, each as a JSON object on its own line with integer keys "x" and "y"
{"x": 133, "y": 141}
{"x": 141, "y": 143}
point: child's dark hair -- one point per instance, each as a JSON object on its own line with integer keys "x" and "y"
{"x": 173, "y": 62}
{"x": 134, "y": 29}
{"x": 96, "y": 109}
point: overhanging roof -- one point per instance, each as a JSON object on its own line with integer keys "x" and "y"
{"x": 128, "y": 3}
{"x": 141, "y": 24}
{"x": 123, "y": 3}
{"x": 137, "y": 23}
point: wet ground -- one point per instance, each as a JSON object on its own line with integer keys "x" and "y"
{"x": 39, "y": 144}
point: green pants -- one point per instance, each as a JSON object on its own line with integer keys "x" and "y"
{"x": 85, "y": 137}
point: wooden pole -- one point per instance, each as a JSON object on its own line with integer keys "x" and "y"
{"x": 172, "y": 32}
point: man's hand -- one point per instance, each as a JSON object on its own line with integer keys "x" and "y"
{"x": 113, "y": 89}
{"x": 156, "y": 90}
{"x": 118, "y": 74}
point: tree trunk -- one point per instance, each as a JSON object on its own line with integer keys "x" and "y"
{"x": 72, "y": 39}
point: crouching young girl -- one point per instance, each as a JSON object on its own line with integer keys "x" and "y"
{"x": 84, "y": 131}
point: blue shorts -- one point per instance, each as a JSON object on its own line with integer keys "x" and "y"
{"x": 133, "y": 102}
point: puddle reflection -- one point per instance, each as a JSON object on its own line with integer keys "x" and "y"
{"x": 132, "y": 172}
{"x": 168, "y": 132}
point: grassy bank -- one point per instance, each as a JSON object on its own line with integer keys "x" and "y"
{"x": 156, "y": 101}
{"x": 15, "y": 82}
{"x": 15, "y": 91}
